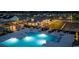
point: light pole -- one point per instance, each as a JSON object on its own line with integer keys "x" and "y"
{"x": 71, "y": 18}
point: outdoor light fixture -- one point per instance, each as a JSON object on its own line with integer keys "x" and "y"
{"x": 42, "y": 35}
{"x": 28, "y": 38}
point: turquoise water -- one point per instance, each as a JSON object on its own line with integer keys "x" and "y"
{"x": 32, "y": 40}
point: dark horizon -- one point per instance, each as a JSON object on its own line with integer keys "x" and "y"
{"x": 39, "y": 11}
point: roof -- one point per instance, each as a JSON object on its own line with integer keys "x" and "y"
{"x": 14, "y": 18}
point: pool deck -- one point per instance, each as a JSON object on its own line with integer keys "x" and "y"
{"x": 18, "y": 34}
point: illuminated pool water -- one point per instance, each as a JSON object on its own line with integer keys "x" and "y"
{"x": 31, "y": 40}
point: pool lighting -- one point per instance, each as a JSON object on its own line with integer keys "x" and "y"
{"x": 13, "y": 40}
{"x": 42, "y": 35}
{"x": 41, "y": 42}
{"x": 28, "y": 38}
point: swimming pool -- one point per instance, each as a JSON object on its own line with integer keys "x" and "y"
{"x": 30, "y": 40}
